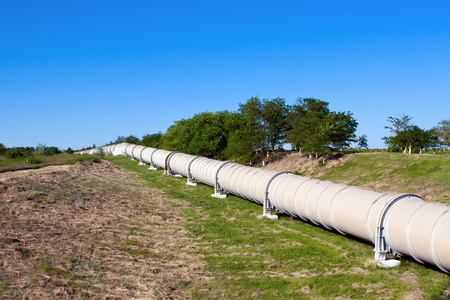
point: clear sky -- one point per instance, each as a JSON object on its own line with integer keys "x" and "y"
{"x": 74, "y": 73}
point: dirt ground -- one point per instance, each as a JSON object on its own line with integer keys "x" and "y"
{"x": 91, "y": 230}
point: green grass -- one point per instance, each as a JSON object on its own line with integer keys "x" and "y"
{"x": 36, "y": 162}
{"x": 250, "y": 257}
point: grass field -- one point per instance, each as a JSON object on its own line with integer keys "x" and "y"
{"x": 93, "y": 230}
{"x": 288, "y": 259}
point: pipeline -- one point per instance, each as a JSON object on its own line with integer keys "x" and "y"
{"x": 398, "y": 224}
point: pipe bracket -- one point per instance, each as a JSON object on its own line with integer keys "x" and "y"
{"x": 189, "y": 175}
{"x": 381, "y": 244}
{"x": 267, "y": 205}
{"x": 217, "y": 187}
{"x": 167, "y": 170}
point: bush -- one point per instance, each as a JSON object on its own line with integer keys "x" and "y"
{"x": 34, "y": 160}
{"x": 14, "y": 153}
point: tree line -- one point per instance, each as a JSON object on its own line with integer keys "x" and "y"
{"x": 261, "y": 126}
{"x": 409, "y": 137}
{"x": 257, "y": 129}
{"x": 41, "y": 149}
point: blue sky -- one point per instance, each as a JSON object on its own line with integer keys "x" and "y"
{"x": 74, "y": 73}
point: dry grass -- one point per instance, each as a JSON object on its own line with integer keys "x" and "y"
{"x": 91, "y": 230}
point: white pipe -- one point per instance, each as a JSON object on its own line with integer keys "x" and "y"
{"x": 402, "y": 224}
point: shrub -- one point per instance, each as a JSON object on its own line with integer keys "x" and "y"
{"x": 14, "y": 153}
{"x": 34, "y": 160}
{"x": 2, "y": 149}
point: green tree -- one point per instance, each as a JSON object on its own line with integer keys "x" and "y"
{"x": 12, "y": 153}
{"x": 2, "y": 149}
{"x": 131, "y": 139}
{"x": 205, "y": 134}
{"x": 240, "y": 146}
{"x": 362, "y": 142}
{"x": 400, "y": 128}
{"x": 41, "y": 149}
{"x": 152, "y": 140}
{"x": 308, "y": 125}
{"x": 247, "y": 139}
{"x": 422, "y": 139}
{"x": 120, "y": 139}
{"x": 17, "y": 152}
{"x": 53, "y": 150}
{"x": 408, "y": 136}
{"x": 274, "y": 115}
{"x": 170, "y": 139}
{"x": 442, "y": 131}
{"x": 342, "y": 129}
{"x": 314, "y": 129}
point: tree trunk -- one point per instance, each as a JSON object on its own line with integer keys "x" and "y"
{"x": 410, "y": 146}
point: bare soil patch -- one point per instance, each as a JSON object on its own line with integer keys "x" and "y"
{"x": 91, "y": 230}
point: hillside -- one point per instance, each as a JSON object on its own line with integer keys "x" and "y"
{"x": 114, "y": 229}
{"x": 422, "y": 174}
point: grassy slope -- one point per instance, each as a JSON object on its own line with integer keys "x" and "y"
{"x": 285, "y": 258}
{"x": 425, "y": 175}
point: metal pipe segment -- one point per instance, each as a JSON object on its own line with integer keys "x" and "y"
{"x": 401, "y": 224}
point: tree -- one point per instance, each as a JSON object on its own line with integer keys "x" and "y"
{"x": 408, "y": 136}
{"x": 152, "y": 140}
{"x": 170, "y": 139}
{"x": 13, "y": 153}
{"x": 131, "y": 139}
{"x": 205, "y": 134}
{"x": 2, "y": 149}
{"x": 240, "y": 146}
{"x": 314, "y": 129}
{"x": 423, "y": 139}
{"x": 17, "y": 152}
{"x": 260, "y": 126}
{"x": 247, "y": 142}
{"x": 120, "y": 139}
{"x": 442, "y": 131}
{"x": 362, "y": 142}
{"x": 40, "y": 149}
{"x": 401, "y": 128}
{"x": 52, "y": 150}
{"x": 342, "y": 129}
{"x": 274, "y": 115}
{"x": 307, "y": 131}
